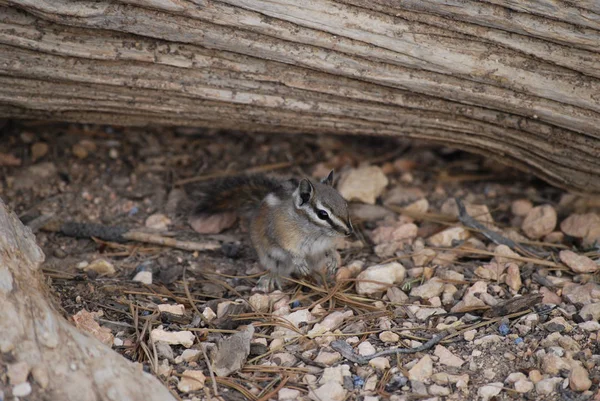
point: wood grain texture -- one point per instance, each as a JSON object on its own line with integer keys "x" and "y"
{"x": 518, "y": 81}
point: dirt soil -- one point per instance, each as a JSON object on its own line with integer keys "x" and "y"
{"x": 446, "y": 281}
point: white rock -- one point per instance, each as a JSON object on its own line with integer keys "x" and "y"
{"x": 590, "y": 311}
{"x": 443, "y": 378}
{"x": 158, "y": 222}
{"x": 470, "y": 298}
{"x": 523, "y": 386}
{"x": 384, "y": 276}
{"x": 288, "y": 394}
{"x": 513, "y": 277}
{"x": 422, "y": 371}
{"x": 330, "y": 391}
{"x": 328, "y": 358}
{"x": 489, "y": 339}
{"x": 515, "y": 377}
{"x": 190, "y": 355}
{"x": 469, "y": 335}
{"x": 547, "y": 386}
{"x": 185, "y": 338}
{"x": 447, "y": 357}
{"x": 589, "y": 326}
{"x": 380, "y": 363}
{"x": 366, "y": 348}
{"x": 553, "y": 364}
{"x": 260, "y": 302}
{"x": 521, "y": 207}
{"x": 438, "y": 390}
{"x": 446, "y": 237}
{"x": 364, "y": 184}
{"x": 578, "y": 263}
{"x": 101, "y": 266}
{"x": 389, "y": 337}
{"x": 178, "y": 309}
{"x": 489, "y": 390}
{"x": 144, "y": 277}
{"x": 431, "y": 288}
{"x": 506, "y": 255}
{"x": 579, "y": 379}
{"x": 21, "y": 390}
{"x": 540, "y": 221}
{"x": 335, "y": 374}
{"x": 209, "y": 314}
{"x": 331, "y": 322}
{"x": 191, "y": 380}
{"x": 586, "y": 226}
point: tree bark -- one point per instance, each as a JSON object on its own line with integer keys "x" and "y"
{"x": 63, "y": 364}
{"x": 518, "y": 81}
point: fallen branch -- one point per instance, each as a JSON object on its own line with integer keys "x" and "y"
{"x": 122, "y": 234}
{"x": 347, "y": 351}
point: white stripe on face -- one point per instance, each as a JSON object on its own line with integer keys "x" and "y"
{"x": 336, "y": 220}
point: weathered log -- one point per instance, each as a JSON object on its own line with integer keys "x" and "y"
{"x": 63, "y": 363}
{"x": 518, "y": 81}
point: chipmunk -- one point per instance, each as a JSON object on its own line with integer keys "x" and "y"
{"x": 293, "y": 224}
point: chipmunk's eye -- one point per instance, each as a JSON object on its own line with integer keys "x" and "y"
{"x": 322, "y": 214}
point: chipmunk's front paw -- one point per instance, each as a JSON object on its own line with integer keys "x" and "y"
{"x": 301, "y": 267}
{"x": 331, "y": 263}
{"x": 269, "y": 283}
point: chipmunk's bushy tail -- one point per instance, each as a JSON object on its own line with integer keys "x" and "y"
{"x": 238, "y": 193}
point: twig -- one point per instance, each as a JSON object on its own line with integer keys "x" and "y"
{"x": 347, "y": 352}
{"x": 122, "y": 234}
{"x": 210, "y": 372}
{"x": 470, "y": 222}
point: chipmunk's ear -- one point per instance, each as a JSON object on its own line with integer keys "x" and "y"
{"x": 304, "y": 192}
{"x": 329, "y": 179}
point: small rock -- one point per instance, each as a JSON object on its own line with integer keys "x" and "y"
{"x": 470, "y": 299}
{"x": 553, "y": 364}
{"x": 363, "y": 212}
{"x": 578, "y": 263}
{"x": 330, "y": 323}
{"x": 586, "y": 226}
{"x": 431, "y": 288}
{"x": 420, "y": 206}
{"x": 18, "y": 372}
{"x": 328, "y": 358}
{"x": 558, "y": 324}
{"x": 330, "y": 391}
{"x": 212, "y": 223}
{"x": 335, "y": 374}
{"x": 550, "y": 297}
{"x": 579, "y": 379}
{"x": 438, "y": 390}
{"x": 384, "y": 276}
{"x": 513, "y": 277}
{"x": 117, "y": 342}
{"x": 523, "y": 386}
{"x": 284, "y": 359}
{"x": 590, "y": 311}
{"x": 469, "y": 335}
{"x": 164, "y": 350}
{"x": 144, "y": 277}
{"x": 288, "y": 394}
{"x": 366, "y": 348}
{"x": 401, "y": 195}
{"x": 185, "y": 338}
{"x": 178, "y": 309}
{"x": 590, "y": 326}
{"x": 364, "y": 184}
{"x": 209, "y": 314}
{"x": 540, "y": 221}
{"x": 535, "y": 376}
{"x": 547, "y": 386}
{"x": 397, "y": 234}
{"x": 396, "y": 295}
{"x": 491, "y": 271}
{"x": 445, "y": 238}
{"x": 6, "y": 159}
{"x": 86, "y": 322}
{"x": 190, "y": 355}
{"x": 423, "y": 257}
{"x": 191, "y": 380}
{"x": 581, "y": 294}
{"x": 515, "y": 377}
{"x": 389, "y": 337}
{"x": 489, "y": 391}
{"x": 260, "y": 302}
{"x": 380, "y": 363}
{"x": 101, "y": 266}
{"x": 422, "y": 371}
{"x": 447, "y": 357}
{"x": 80, "y": 151}
{"x": 38, "y": 150}
{"x": 21, "y": 390}
{"x": 521, "y": 207}
{"x": 232, "y": 352}
{"x": 506, "y": 255}
{"x": 158, "y": 222}
{"x": 35, "y": 175}
{"x": 443, "y": 378}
